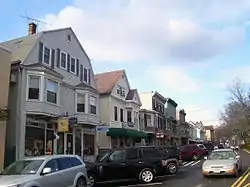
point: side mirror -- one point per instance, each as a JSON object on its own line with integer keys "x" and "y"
{"x": 237, "y": 157}
{"x": 205, "y": 158}
{"x": 46, "y": 171}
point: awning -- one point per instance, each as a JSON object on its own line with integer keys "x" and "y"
{"x": 125, "y": 132}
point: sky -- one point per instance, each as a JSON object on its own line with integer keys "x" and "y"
{"x": 188, "y": 50}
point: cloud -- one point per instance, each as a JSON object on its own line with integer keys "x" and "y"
{"x": 151, "y": 30}
{"x": 173, "y": 78}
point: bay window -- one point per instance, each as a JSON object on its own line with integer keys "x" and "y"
{"x": 34, "y": 87}
{"x": 52, "y": 91}
{"x": 129, "y": 116}
{"x": 93, "y": 103}
{"x": 80, "y": 103}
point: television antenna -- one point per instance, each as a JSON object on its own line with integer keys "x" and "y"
{"x": 36, "y": 21}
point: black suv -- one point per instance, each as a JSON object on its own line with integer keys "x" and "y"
{"x": 143, "y": 163}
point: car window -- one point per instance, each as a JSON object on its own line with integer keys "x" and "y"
{"x": 201, "y": 146}
{"x": 64, "y": 163}
{"x": 186, "y": 148}
{"x": 75, "y": 161}
{"x": 118, "y": 156}
{"x": 132, "y": 154}
{"x": 53, "y": 165}
{"x": 150, "y": 152}
{"x": 222, "y": 155}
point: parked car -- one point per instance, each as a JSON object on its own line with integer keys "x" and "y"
{"x": 49, "y": 171}
{"x": 221, "y": 146}
{"x": 135, "y": 163}
{"x": 222, "y": 162}
{"x": 191, "y": 152}
{"x": 171, "y": 152}
{"x": 205, "y": 150}
{"x": 210, "y": 146}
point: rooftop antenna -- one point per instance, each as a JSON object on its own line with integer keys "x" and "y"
{"x": 36, "y": 21}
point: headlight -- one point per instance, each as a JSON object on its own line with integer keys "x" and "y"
{"x": 229, "y": 166}
{"x": 205, "y": 167}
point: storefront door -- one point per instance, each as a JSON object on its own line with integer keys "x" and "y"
{"x": 79, "y": 142}
{"x": 68, "y": 143}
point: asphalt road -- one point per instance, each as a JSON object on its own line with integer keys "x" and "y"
{"x": 190, "y": 175}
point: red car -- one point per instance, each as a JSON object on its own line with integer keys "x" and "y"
{"x": 191, "y": 152}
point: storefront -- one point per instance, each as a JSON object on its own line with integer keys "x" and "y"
{"x": 43, "y": 138}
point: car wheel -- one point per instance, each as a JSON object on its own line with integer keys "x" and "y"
{"x": 146, "y": 176}
{"x": 92, "y": 180}
{"x": 81, "y": 182}
{"x": 172, "y": 168}
{"x": 236, "y": 174}
{"x": 195, "y": 157}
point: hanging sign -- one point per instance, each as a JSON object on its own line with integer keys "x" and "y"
{"x": 63, "y": 125}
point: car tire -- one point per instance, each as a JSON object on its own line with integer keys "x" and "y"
{"x": 146, "y": 176}
{"x": 172, "y": 168}
{"x": 92, "y": 180}
{"x": 81, "y": 182}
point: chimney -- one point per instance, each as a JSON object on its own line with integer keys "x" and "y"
{"x": 32, "y": 28}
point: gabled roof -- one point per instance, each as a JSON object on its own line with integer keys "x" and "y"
{"x": 210, "y": 127}
{"x": 105, "y": 82}
{"x": 21, "y": 47}
{"x": 131, "y": 94}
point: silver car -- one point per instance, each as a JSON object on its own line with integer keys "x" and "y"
{"x": 46, "y": 171}
{"x": 222, "y": 162}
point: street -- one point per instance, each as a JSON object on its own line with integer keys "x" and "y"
{"x": 190, "y": 175}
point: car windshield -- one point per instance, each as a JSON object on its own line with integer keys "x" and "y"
{"x": 23, "y": 167}
{"x": 222, "y": 155}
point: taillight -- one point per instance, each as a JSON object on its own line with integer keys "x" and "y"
{"x": 180, "y": 157}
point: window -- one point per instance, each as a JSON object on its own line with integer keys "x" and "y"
{"x": 136, "y": 117}
{"x": 118, "y": 90}
{"x": 115, "y": 113}
{"x": 129, "y": 116}
{"x": 34, "y": 84}
{"x": 85, "y": 75}
{"x": 52, "y": 89}
{"x": 46, "y": 56}
{"x": 93, "y": 105}
{"x": 80, "y": 103}
{"x": 123, "y": 92}
{"x": 73, "y": 65}
{"x": 69, "y": 37}
{"x": 151, "y": 152}
{"x": 118, "y": 156}
{"x": 63, "y": 60}
{"x": 75, "y": 161}
{"x": 64, "y": 163}
{"x": 53, "y": 165}
{"x": 121, "y": 115}
{"x": 132, "y": 154}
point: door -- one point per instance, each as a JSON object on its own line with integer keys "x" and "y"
{"x": 53, "y": 178}
{"x": 68, "y": 143}
{"x": 115, "y": 168}
{"x": 134, "y": 163}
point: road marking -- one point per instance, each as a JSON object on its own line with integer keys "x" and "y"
{"x": 241, "y": 177}
{"x": 195, "y": 163}
{"x": 246, "y": 151}
{"x": 184, "y": 163}
{"x": 137, "y": 185}
{"x": 188, "y": 164}
{"x": 247, "y": 185}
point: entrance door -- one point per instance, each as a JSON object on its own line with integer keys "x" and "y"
{"x": 79, "y": 142}
{"x": 68, "y": 143}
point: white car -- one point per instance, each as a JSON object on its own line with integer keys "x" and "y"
{"x": 46, "y": 171}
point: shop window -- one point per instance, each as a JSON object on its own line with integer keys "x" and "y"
{"x": 115, "y": 113}
{"x": 80, "y": 103}
{"x": 129, "y": 116}
{"x": 93, "y": 104}
{"x": 34, "y": 87}
{"x": 89, "y": 144}
{"x": 52, "y": 91}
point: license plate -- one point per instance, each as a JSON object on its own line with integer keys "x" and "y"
{"x": 217, "y": 171}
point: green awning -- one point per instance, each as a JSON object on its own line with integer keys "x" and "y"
{"x": 125, "y": 132}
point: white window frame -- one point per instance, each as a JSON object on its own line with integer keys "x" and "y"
{"x": 65, "y": 68}
{"x": 93, "y": 105}
{"x": 40, "y": 87}
{"x": 50, "y": 51}
{"x": 70, "y": 64}
{"x": 57, "y": 94}
{"x": 76, "y": 96}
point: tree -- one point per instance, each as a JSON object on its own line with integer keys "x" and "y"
{"x": 236, "y": 114}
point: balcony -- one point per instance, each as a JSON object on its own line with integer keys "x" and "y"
{"x": 86, "y": 118}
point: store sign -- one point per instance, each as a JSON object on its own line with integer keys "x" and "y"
{"x": 63, "y": 125}
{"x": 72, "y": 121}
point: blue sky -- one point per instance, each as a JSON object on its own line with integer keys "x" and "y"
{"x": 186, "y": 49}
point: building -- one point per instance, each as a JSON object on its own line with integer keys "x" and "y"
{"x": 53, "y": 102}
{"x": 200, "y": 131}
{"x": 183, "y": 127}
{"x": 119, "y": 111}
{"x": 192, "y": 132}
{"x": 5, "y": 63}
{"x": 153, "y": 101}
{"x": 172, "y": 125}
{"x": 210, "y": 135}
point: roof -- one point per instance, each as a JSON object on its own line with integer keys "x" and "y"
{"x": 105, "y": 82}
{"x": 131, "y": 94}
{"x": 44, "y": 157}
{"x": 84, "y": 85}
{"x": 210, "y": 127}
{"x": 21, "y": 47}
{"x": 171, "y": 101}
